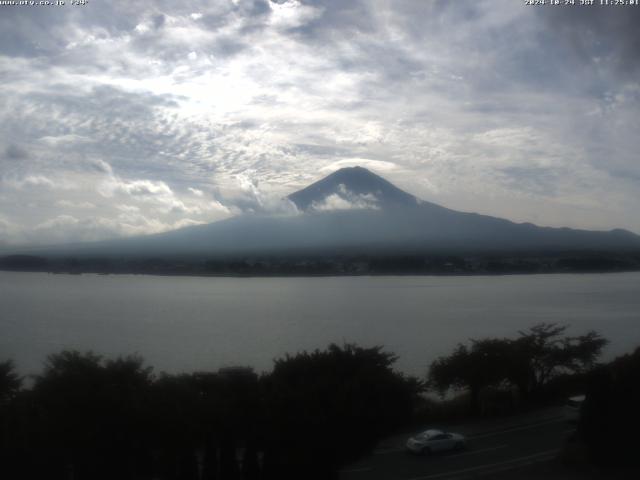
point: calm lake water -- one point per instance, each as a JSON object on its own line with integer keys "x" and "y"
{"x": 196, "y": 323}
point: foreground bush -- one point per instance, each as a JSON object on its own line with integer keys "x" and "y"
{"x": 91, "y": 418}
{"x": 610, "y": 419}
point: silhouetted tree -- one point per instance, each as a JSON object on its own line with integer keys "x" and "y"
{"x": 610, "y": 418}
{"x": 125, "y": 397}
{"x": 335, "y": 403}
{"x": 483, "y": 363}
{"x": 10, "y": 385}
{"x": 10, "y": 381}
{"x": 91, "y": 416}
{"x": 528, "y": 362}
{"x": 174, "y": 410}
{"x": 543, "y": 352}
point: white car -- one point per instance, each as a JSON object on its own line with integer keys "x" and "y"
{"x": 432, "y": 441}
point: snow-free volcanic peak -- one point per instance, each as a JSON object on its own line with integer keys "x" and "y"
{"x": 349, "y": 183}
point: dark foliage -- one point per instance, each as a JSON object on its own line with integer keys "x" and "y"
{"x": 10, "y": 438}
{"x": 542, "y": 353}
{"x": 610, "y": 418}
{"x": 10, "y": 381}
{"x": 91, "y": 418}
{"x": 482, "y": 364}
{"x": 338, "y": 402}
{"x": 23, "y": 263}
{"x": 528, "y": 363}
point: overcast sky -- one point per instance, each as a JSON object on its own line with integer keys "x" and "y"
{"x": 121, "y": 117}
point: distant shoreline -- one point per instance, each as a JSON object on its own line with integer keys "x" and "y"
{"x": 333, "y": 265}
{"x": 324, "y": 275}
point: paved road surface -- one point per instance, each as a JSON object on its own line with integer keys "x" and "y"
{"x": 492, "y": 448}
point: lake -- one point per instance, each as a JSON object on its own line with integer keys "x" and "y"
{"x": 203, "y": 323}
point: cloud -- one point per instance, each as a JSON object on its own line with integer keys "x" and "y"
{"x": 71, "y": 204}
{"x": 31, "y": 181}
{"x": 128, "y": 208}
{"x": 100, "y": 166}
{"x": 344, "y": 199}
{"x": 15, "y": 152}
{"x": 157, "y": 195}
{"x": 247, "y": 101}
{"x": 292, "y": 14}
{"x": 377, "y": 165}
{"x": 599, "y": 34}
{"x": 146, "y": 188}
{"x": 55, "y": 141}
{"x": 66, "y": 228}
{"x": 246, "y": 196}
{"x": 8, "y": 232}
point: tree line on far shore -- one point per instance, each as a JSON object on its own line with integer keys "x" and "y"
{"x": 88, "y": 417}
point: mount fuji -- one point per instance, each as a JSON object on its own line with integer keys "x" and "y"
{"x": 353, "y": 210}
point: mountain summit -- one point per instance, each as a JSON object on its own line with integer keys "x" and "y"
{"x": 352, "y": 186}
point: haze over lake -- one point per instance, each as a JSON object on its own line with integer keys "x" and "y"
{"x": 197, "y": 323}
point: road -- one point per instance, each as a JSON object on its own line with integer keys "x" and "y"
{"x": 492, "y": 447}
